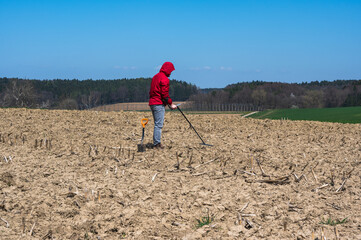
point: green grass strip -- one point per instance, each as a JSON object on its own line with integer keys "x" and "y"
{"x": 341, "y": 115}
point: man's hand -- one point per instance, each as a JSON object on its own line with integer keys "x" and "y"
{"x": 173, "y": 106}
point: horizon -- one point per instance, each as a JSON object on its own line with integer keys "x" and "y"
{"x": 171, "y": 79}
{"x": 212, "y": 44}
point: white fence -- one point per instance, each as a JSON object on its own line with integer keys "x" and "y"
{"x": 188, "y": 106}
{"x": 221, "y": 107}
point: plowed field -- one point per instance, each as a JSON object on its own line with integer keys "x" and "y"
{"x": 77, "y": 175}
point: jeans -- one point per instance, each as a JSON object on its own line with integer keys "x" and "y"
{"x": 158, "y": 116}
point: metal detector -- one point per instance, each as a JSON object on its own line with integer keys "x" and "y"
{"x": 203, "y": 143}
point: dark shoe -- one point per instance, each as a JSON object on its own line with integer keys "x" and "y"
{"x": 149, "y": 145}
{"x": 158, "y": 146}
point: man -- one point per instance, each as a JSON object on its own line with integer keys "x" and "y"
{"x": 158, "y": 99}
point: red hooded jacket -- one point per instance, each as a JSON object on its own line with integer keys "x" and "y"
{"x": 159, "y": 88}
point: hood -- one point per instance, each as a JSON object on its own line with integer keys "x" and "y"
{"x": 167, "y": 68}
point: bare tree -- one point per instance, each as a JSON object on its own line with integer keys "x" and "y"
{"x": 19, "y": 93}
{"x": 91, "y": 100}
{"x": 259, "y": 96}
{"x": 69, "y": 104}
{"x": 334, "y": 97}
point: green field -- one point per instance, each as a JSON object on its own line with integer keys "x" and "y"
{"x": 342, "y": 115}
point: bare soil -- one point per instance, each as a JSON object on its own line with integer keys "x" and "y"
{"x": 77, "y": 175}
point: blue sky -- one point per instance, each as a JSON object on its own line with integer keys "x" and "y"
{"x": 211, "y": 43}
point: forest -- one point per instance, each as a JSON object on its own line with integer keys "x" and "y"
{"x": 86, "y": 94}
{"x": 272, "y": 95}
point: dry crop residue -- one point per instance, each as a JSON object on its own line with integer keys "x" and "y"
{"x": 77, "y": 175}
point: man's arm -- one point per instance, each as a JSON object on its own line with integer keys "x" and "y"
{"x": 164, "y": 91}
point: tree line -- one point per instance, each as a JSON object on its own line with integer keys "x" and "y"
{"x": 86, "y": 94}
{"x": 82, "y": 94}
{"x": 339, "y": 93}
